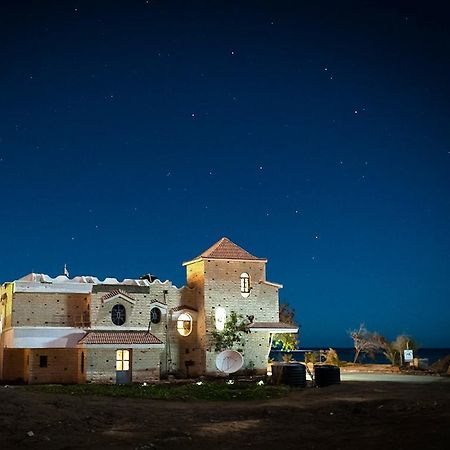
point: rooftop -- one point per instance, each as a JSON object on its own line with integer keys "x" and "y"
{"x": 119, "y": 337}
{"x": 226, "y": 249}
{"x": 84, "y": 279}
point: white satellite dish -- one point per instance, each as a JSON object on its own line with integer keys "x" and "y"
{"x": 229, "y": 361}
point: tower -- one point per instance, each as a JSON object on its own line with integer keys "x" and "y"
{"x": 226, "y": 278}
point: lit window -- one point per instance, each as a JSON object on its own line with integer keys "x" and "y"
{"x": 184, "y": 324}
{"x": 122, "y": 360}
{"x": 155, "y": 315}
{"x": 221, "y": 316}
{"x": 118, "y": 315}
{"x": 245, "y": 284}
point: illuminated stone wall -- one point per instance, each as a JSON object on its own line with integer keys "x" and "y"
{"x": 49, "y": 309}
{"x": 101, "y": 365}
{"x": 15, "y": 364}
{"x": 63, "y": 366}
{"x": 137, "y": 313}
{"x": 217, "y": 283}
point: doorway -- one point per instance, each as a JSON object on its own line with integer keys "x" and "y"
{"x": 123, "y": 366}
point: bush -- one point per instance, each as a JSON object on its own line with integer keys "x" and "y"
{"x": 332, "y": 357}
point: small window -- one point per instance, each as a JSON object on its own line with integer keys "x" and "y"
{"x": 245, "y": 284}
{"x": 184, "y": 324}
{"x": 118, "y": 315}
{"x": 122, "y": 360}
{"x": 155, "y": 315}
{"x": 221, "y": 316}
{"x": 43, "y": 360}
{"x": 82, "y": 362}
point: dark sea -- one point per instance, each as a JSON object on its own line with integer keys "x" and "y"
{"x": 347, "y": 354}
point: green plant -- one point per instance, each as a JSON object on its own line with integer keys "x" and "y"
{"x": 286, "y": 342}
{"x": 214, "y": 391}
{"x": 232, "y": 333}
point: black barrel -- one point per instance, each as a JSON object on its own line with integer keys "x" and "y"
{"x": 326, "y": 375}
{"x": 294, "y": 375}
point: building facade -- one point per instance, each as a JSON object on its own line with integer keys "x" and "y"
{"x": 61, "y": 330}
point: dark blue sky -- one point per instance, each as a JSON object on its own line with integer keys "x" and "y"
{"x": 134, "y": 134}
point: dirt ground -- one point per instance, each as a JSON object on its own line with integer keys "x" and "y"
{"x": 346, "y": 416}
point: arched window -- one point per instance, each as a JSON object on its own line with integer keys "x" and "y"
{"x": 221, "y": 316}
{"x": 184, "y": 324}
{"x": 155, "y": 315}
{"x": 245, "y": 284}
{"x": 118, "y": 314}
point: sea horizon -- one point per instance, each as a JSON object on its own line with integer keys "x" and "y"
{"x": 433, "y": 354}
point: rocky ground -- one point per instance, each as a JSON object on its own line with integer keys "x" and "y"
{"x": 346, "y": 416}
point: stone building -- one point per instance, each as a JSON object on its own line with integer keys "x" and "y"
{"x": 61, "y": 330}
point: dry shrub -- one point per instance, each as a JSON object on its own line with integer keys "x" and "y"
{"x": 442, "y": 366}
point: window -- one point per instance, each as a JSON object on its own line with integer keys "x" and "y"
{"x": 245, "y": 284}
{"x": 82, "y": 362}
{"x": 43, "y": 361}
{"x": 122, "y": 360}
{"x": 184, "y": 324}
{"x": 221, "y": 316}
{"x": 118, "y": 315}
{"x": 155, "y": 315}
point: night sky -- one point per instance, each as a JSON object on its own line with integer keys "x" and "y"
{"x": 135, "y": 134}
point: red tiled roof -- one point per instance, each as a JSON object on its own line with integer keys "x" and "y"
{"x": 158, "y": 301}
{"x": 179, "y": 308}
{"x": 119, "y": 337}
{"x": 115, "y": 292}
{"x": 225, "y": 249}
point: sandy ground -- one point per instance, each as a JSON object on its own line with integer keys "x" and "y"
{"x": 364, "y": 415}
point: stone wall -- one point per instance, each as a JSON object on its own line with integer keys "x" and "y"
{"x": 63, "y": 366}
{"x": 101, "y": 365}
{"x": 15, "y": 365}
{"x": 218, "y": 283}
{"x": 50, "y": 309}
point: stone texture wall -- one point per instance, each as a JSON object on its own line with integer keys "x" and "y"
{"x": 218, "y": 283}
{"x": 192, "y": 294}
{"x": 63, "y": 366}
{"x": 15, "y": 364}
{"x": 101, "y": 365}
{"x": 137, "y": 314}
{"x": 145, "y": 365}
{"x": 50, "y": 309}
